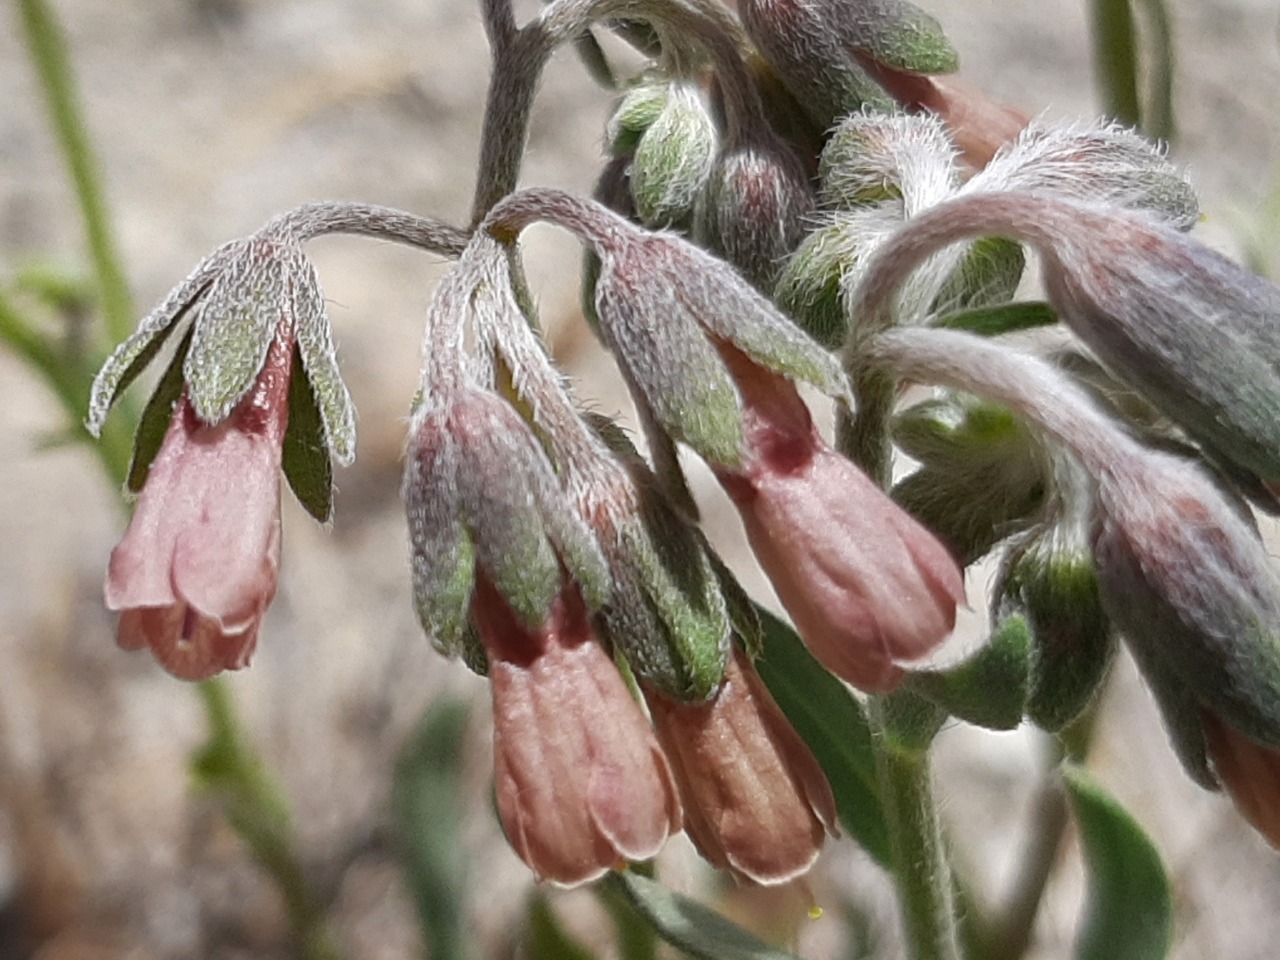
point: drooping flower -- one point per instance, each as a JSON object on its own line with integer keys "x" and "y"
{"x": 756, "y": 802}
{"x": 1185, "y": 578}
{"x": 715, "y": 365}
{"x": 581, "y": 783}
{"x": 197, "y": 568}
{"x": 252, "y": 390}
{"x": 865, "y": 583}
{"x": 501, "y": 561}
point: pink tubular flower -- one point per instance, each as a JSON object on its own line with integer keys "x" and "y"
{"x": 198, "y": 565}
{"x": 756, "y": 801}
{"x": 865, "y": 583}
{"x": 582, "y": 785}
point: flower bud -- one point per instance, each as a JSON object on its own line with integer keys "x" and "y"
{"x": 983, "y": 475}
{"x": 989, "y": 688}
{"x": 1049, "y": 579}
{"x": 1186, "y": 580}
{"x": 580, "y": 781}
{"x": 823, "y": 51}
{"x": 664, "y": 305}
{"x": 873, "y": 157}
{"x": 1100, "y": 162}
{"x": 673, "y": 158}
{"x": 667, "y": 614}
{"x": 640, "y": 106}
{"x": 481, "y": 497}
{"x": 756, "y": 802}
{"x": 756, "y": 207}
{"x": 811, "y": 285}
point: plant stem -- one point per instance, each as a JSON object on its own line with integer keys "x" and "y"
{"x": 48, "y": 48}
{"x": 1115, "y": 60}
{"x": 68, "y": 382}
{"x": 253, "y": 804}
{"x": 920, "y": 865}
{"x": 1009, "y": 933}
{"x": 920, "y": 869}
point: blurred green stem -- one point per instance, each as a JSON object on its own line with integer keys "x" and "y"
{"x": 1115, "y": 60}
{"x": 69, "y": 382}
{"x": 1009, "y": 934}
{"x": 47, "y": 44}
{"x": 921, "y": 870}
{"x": 251, "y": 800}
{"x": 254, "y": 806}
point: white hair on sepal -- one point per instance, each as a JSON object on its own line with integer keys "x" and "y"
{"x": 872, "y": 157}
{"x": 1098, "y": 161}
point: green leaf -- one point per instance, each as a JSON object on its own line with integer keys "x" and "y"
{"x": 689, "y": 926}
{"x": 636, "y": 939}
{"x": 989, "y": 689}
{"x": 428, "y": 814}
{"x": 832, "y": 723}
{"x": 154, "y": 423}
{"x": 547, "y": 938}
{"x": 1003, "y": 318}
{"x": 306, "y": 462}
{"x": 1129, "y": 911}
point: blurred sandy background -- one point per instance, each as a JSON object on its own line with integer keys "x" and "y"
{"x": 212, "y": 115}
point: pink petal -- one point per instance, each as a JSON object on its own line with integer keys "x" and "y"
{"x": 756, "y": 800}
{"x": 581, "y": 783}
{"x": 865, "y": 583}
{"x": 187, "y": 645}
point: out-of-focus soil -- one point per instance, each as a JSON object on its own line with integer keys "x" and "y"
{"x": 212, "y": 115}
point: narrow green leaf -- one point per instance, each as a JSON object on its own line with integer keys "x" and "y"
{"x": 56, "y": 287}
{"x": 832, "y": 723}
{"x": 1129, "y": 912}
{"x": 547, "y": 939}
{"x": 989, "y": 689}
{"x": 156, "y": 416}
{"x": 689, "y": 926}
{"x": 306, "y": 462}
{"x": 1002, "y": 318}
{"x": 428, "y": 816}
{"x": 636, "y": 939}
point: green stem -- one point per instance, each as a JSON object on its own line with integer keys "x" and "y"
{"x": 863, "y": 435}
{"x": 253, "y": 804}
{"x": 1115, "y": 60}
{"x": 1008, "y": 936}
{"x": 920, "y": 868}
{"x": 901, "y": 725}
{"x": 1159, "y": 123}
{"x": 69, "y": 383}
{"x": 48, "y": 48}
